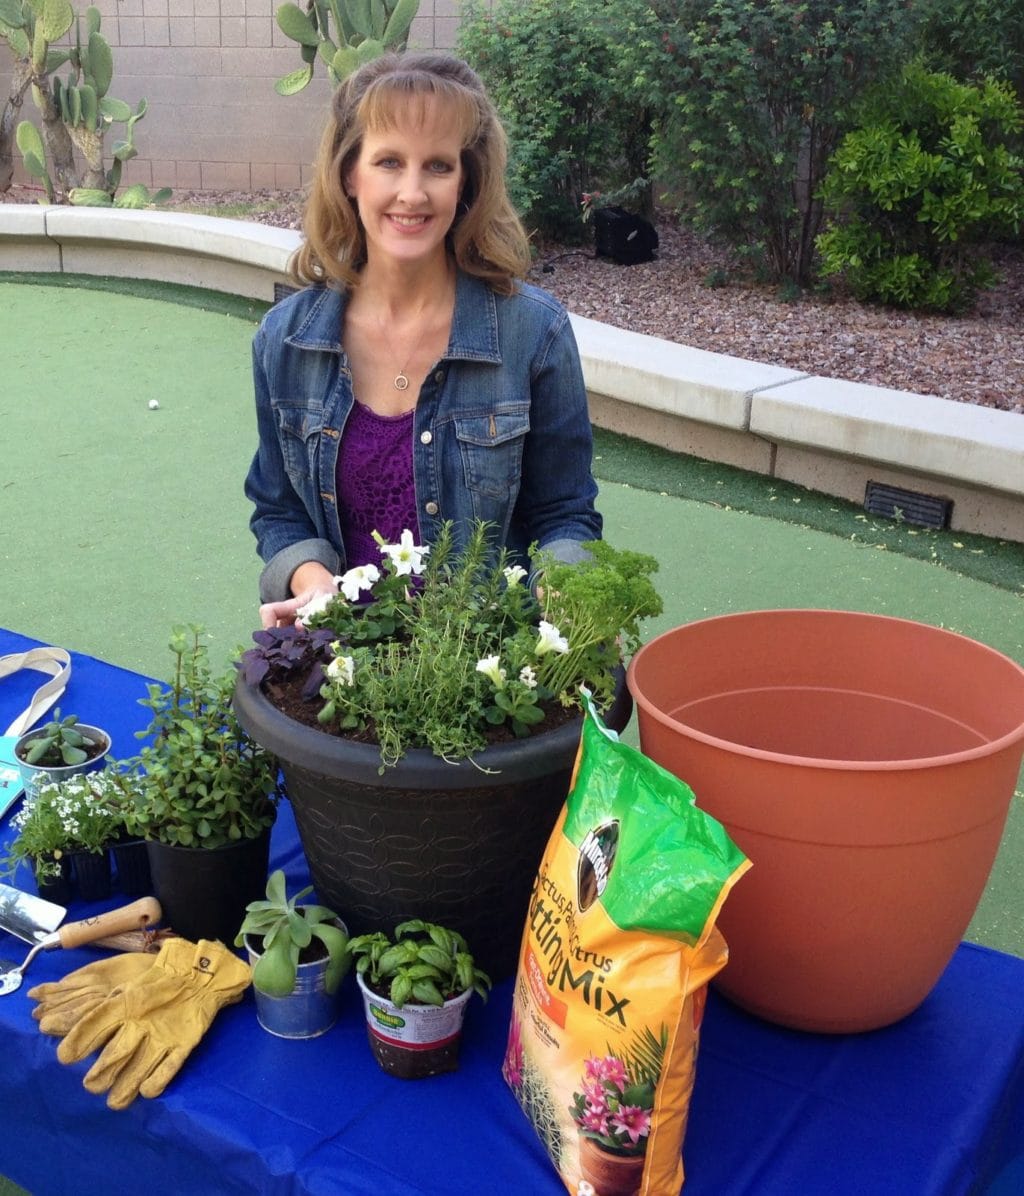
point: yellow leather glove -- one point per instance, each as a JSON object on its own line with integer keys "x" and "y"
{"x": 148, "y": 1028}
{"x": 65, "y": 1002}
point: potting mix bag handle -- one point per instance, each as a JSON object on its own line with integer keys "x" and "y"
{"x": 618, "y": 948}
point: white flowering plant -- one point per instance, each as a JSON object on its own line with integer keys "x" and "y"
{"x": 449, "y": 650}
{"x": 79, "y": 813}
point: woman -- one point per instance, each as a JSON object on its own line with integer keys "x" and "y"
{"x": 415, "y": 378}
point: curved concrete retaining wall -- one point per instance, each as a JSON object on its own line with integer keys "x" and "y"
{"x": 826, "y": 434}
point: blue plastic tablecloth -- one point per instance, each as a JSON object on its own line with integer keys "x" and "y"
{"x": 932, "y": 1105}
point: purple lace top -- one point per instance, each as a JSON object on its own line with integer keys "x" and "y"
{"x": 375, "y": 482}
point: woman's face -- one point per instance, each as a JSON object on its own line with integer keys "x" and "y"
{"x": 407, "y": 181}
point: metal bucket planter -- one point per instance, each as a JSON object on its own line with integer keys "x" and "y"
{"x": 34, "y": 775}
{"x": 456, "y": 844}
{"x": 865, "y": 765}
{"x": 309, "y": 1010}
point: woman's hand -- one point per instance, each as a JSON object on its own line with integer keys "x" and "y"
{"x": 307, "y": 582}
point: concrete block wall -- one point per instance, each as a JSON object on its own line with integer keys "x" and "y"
{"x": 207, "y": 69}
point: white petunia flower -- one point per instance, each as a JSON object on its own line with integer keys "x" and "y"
{"x": 551, "y": 639}
{"x": 342, "y": 669}
{"x": 314, "y": 606}
{"x": 489, "y": 667}
{"x": 360, "y": 578}
{"x": 514, "y": 574}
{"x": 528, "y": 677}
{"x": 406, "y": 556}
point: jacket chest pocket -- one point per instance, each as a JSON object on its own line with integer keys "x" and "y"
{"x": 299, "y": 431}
{"x": 491, "y": 447}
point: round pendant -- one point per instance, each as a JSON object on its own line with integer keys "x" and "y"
{"x": 401, "y": 382}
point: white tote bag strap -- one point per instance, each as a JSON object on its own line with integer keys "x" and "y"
{"x": 54, "y": 661}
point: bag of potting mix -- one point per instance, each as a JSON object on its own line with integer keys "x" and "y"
{"x": 617, "y": 951}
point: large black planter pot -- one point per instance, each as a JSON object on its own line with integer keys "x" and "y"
{"x": 457, "y": 844}
{"x": 204, "y": 891}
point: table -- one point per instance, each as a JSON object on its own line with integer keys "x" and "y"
{"x": 932, "y": 1105}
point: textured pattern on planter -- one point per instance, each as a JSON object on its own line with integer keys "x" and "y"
{"x": 464, "y": 859}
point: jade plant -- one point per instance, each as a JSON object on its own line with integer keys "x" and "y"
{"x": 199, "y": 780}
{"x": 343, "y": 34}
{"x": 422, "y": 963}
{"x": 62, "y": 741}
{"x": 291, "y": 933}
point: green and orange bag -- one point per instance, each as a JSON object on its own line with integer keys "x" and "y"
{"x": 618, "y": 948}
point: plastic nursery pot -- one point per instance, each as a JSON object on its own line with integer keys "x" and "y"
{"x": 414, "y": 1041}
{"x": 309, "y": 1010}
{"x": 456, "y": 844}
{"x": 56, "y": 887}
{"x": 204, "y": 891}
{"x": 92, "y": 874}
{"x": 33, "y": 775}
{"x": 865, "y": 764}
{"x": 131, "y": 866}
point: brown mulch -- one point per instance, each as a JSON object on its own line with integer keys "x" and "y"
{"x": 976, "y": 358}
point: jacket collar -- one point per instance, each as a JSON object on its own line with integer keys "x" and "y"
{"x": 474, "y": 335}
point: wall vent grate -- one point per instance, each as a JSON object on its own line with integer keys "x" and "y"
{"x": 924, "y": 510}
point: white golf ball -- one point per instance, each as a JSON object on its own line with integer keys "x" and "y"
{"x": 153, "y": 404}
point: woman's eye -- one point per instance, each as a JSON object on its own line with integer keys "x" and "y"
{"x": 440, "y": 167}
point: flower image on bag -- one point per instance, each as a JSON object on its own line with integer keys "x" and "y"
{"x": 617, "y": 952}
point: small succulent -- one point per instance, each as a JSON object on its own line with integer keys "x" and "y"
{"x": 423, "y": 963}
{"x": 286, "y": 929}
{"x": 60, "y": 742}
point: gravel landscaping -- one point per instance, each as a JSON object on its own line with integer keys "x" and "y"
{"x": 977, "y": 358}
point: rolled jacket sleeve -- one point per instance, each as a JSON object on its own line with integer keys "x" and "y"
{"x": 286, "y": 534}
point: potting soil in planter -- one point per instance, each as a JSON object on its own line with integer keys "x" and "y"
{"x": 618, "y": 948}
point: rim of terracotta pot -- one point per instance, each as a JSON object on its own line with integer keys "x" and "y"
{"x": 652, "y": 647}
{"x": 320, "y": 752}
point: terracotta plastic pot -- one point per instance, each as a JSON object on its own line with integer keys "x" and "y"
{"x": 865, "y": 764}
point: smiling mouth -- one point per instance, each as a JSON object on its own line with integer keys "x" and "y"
{"x": 409, "y": 221}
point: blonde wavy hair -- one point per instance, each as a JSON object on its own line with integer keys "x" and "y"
{"x": 486, "y": 238}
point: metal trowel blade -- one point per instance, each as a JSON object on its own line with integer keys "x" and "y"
{"x": 27, "y": 916}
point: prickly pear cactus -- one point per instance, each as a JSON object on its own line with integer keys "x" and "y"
{"x": 343, "y": 34}
{"x": 76, "y": 110}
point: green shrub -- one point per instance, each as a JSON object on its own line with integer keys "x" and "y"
{"x": 763, "y": 93}
{"x": 974, "y": 39}
{"x": 575, "y": 86}
{"x": 925, "y": 179}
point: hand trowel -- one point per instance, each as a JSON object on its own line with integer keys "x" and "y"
{"x": 36, "y": 921}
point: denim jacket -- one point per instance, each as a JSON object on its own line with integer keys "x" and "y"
{"x": 502, "y": 431}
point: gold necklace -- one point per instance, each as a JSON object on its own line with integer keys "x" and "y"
{"x": 401, "y": 381}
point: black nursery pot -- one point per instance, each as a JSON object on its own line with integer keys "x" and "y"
{"x": 456, "y": 844}
{"x": 204, "y": 891}
{"x": 57, "y": 888}
{"x": 92, "y": 874}
{"x": 131, "y": 865}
